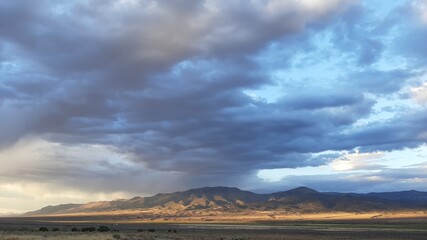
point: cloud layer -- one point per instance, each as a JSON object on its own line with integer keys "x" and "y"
{"x": 204, "y": 92}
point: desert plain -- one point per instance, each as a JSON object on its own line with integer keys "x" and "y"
{"x": 372, "y": 225}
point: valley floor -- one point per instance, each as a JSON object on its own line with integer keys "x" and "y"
{"x": 373, "y": 229}
{"x": 225, "y": 235}
{"x": 206, "y": 216}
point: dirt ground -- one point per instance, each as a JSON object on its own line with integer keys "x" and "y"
{"x": 28, "y": 229}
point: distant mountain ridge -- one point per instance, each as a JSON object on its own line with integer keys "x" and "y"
{"x": 404, "y": 196}
{"x": 300, "y": 199}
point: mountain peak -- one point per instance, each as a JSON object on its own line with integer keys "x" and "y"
{"x": 220, "y": 188}
{"x": 302, "y": 190}
{"x": 214, "y": 189}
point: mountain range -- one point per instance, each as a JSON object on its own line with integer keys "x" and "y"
{"x": 298, "y": 200}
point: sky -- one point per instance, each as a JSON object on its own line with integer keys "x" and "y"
{"x": 107, "y": 99}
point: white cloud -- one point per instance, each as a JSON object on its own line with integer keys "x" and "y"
{"x": 30, "y": 155}
{"x": 312, "y": 6}
{"x": 375, "y": 178}
{"x": 27, "y": 196}
{"x": 357, "y": 172}
{"x": 347, "y": 163}
{"x": 420, "y": 8}
{"x": 357, "y": 161}
{"x": 36, "y": 173}
{"x": 419, "y": 93}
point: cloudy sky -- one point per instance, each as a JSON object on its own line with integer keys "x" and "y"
{"x": 105, "y": 99}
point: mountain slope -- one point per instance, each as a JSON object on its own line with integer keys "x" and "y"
{"x": 204, "y": 198}
{"x": 54, "y": 209}
{"x": 233, "y": 199}
{"x": 403, "y": 196}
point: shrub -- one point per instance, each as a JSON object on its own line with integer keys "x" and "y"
{"x": 88, "y": 229}
{"x": 75, "y": 229}
{"x": 43, "y": 229}
{"x": 151, "y": 230}
{"x": 140, "y": 230}
{"x": 55, "y": 230}
{"x": 103, "y": 229}
{"x": 117, "y": 236}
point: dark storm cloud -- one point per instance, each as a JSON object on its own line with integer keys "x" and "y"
{"x": 400, "y": 132}
{"x": 165, "y": 82}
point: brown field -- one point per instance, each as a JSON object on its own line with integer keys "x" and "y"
{"x": 201, "y": 216}
{"x": 375, "y": 225}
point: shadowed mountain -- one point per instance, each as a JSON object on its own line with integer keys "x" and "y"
{"x": 300, "y": 199}
{"x": 403, "y": 196}
{"x": 53, "y": 209}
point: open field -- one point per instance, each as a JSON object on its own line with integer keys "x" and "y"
{"x": 213, "y": 216}
{"x": 381, "y": 229}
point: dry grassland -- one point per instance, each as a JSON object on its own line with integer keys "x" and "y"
{"x": 404, "y": 225}
{"x": 141, "y": 216}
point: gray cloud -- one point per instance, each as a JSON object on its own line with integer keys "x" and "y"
{"x": 165, "y": 84}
